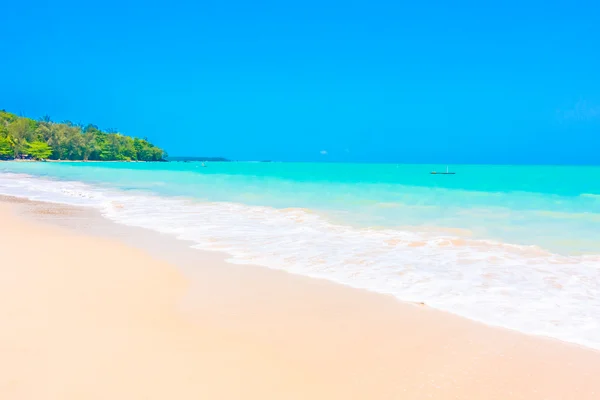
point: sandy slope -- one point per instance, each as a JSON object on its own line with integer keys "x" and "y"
{"x": 85, "y": 318}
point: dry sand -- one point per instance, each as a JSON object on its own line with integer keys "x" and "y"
{"x": 88, "y": 318}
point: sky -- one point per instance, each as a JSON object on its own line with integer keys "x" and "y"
{"x": 511, "y": 82}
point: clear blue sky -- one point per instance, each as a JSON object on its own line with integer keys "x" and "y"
{"x": 377, "y": 81}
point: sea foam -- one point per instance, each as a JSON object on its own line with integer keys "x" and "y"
{"x": 525, "y": 288}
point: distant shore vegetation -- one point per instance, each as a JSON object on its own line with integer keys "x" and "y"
{"x": 43, "y": 139}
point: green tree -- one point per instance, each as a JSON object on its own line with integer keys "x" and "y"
{"x": 7, "y": 117}
{"x": 90, "y": 145}
{"x": 20, "y": 132}
{"x": 6, "y": 149}
{"x": 73, "y": 144}
{"x": 43, "y": 132}
{"x": 39, "y": 150}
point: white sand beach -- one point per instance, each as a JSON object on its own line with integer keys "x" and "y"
{"x": 83, "y": 317}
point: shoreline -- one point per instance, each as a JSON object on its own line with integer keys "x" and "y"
{"x": 190, "y": 246}
{"x": 580, "y": 331}
{"x": 321, "y": 339}
{"x": 473, "y": 294}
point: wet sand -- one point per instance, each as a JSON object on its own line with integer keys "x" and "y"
{"x": 93, "y": 310}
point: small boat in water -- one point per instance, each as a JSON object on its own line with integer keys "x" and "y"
{"x": 443, "y": 173}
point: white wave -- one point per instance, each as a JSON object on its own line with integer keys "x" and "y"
{"x": 519, "y": 287}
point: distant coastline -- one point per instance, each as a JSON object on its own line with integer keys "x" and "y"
{"x": 187, "y": 159}
{"x": 206, "y": 159}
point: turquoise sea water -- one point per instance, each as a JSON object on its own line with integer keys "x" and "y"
{"x": 516, "y": 246}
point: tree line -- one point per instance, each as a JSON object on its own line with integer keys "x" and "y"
{"x": 43, "y": 139}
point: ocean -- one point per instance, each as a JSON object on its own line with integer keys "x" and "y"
{"x": 510, "y": 246}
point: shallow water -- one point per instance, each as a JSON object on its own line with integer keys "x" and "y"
{"x": 514, "y": 246}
